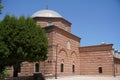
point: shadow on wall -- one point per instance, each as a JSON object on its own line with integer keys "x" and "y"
{"x": 36, "y": 76}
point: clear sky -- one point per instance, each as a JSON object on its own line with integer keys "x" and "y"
{"x": 94, "y": 21}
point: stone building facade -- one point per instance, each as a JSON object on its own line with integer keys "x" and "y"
{"x": 66, "y": 56}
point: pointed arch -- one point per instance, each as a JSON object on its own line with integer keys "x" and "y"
{"x": 63, "y": 51}
{"x": 62, "y": 60}
{"x": 74, "y": 61}
{"x": 74, "y": 53}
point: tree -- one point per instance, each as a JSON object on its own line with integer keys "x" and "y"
{"x": 21, "y": 40}
{"x": 1, "y": 6}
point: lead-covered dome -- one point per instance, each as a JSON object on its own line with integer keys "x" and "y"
{"x": 46, "y": 13}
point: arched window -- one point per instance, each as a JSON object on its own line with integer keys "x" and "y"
{"x": 36, "y": 67}
{"x": 100, "y": 70}
{"x": 62, "y": 67}
{"x": 73, "y": 68}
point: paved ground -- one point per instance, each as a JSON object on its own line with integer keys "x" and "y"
{"x": 87, "y": 78}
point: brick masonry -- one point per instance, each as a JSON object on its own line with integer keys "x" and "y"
{"x": 93, "y": 57}
{"x": 117, "y": 66}
{"x": 64, "y": 48}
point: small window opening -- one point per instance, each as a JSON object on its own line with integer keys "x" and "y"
{"x": 100, "y": 70}
{"x": 36, "y": 67}
{"x": 66, "y": 28}
{"x": 73, "y": 68}
{"x": 62, "y": 67}
{"x": 49, "y": 23}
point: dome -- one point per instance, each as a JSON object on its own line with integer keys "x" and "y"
{"x": 46, "y": 13}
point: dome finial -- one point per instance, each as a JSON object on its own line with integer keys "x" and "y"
{"x": 46, "y": 7}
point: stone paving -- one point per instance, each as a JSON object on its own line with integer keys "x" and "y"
{"x": 87, "y": 78}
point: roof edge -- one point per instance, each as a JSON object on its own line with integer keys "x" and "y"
{"x": 101, "y": 47}
{"x": 61, "y": 31}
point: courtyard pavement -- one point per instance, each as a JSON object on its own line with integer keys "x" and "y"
{"x": 87, "y": 78}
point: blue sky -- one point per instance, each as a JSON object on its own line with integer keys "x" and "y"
{"x": 94, "y": 21}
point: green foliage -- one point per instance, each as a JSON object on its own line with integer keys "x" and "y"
{"x": 4, "y": 73}
{"x": 21, "y": 40}
{"x": 1, "y": 6}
